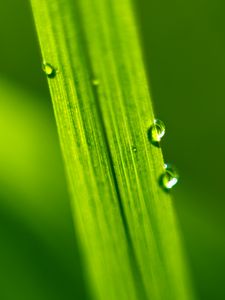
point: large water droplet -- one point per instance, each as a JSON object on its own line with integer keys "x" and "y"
{"x": 49, "y": 70}
{"x": 169, "y": 178}
{"x": 156, "y": 131}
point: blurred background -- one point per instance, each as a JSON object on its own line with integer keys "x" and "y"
{"x": 184, "y": 49}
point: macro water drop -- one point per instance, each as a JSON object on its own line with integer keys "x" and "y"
{"x": 49, "y": 70}
{"x": 169, "y": 178}
{"x": 156, "y": 131}
{"x": 95, "y": 81}
{"x": 134, "y": 149}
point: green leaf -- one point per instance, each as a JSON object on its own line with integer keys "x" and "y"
{"x": 125, "y": 221}
{"x": 38, "y": 255}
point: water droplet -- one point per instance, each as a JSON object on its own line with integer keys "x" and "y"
{"x": 49, "y": 70}
{"x": 156, "y": 132}
{"x": 95, "y": 82}
{"x": 134, "y": 149}
{"x": 169, "y": 178}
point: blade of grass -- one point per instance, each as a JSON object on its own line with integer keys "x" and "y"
{"x": 38, "y": 255}
{"x": 125, "y": 221}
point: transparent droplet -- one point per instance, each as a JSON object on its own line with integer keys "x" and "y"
{"x": 169, "y": 178}
{"x": 95, "y": 81}
{"x": 157, "y": 131}
{"x": 49, "y": 70}
{"x": 134, "y": 149}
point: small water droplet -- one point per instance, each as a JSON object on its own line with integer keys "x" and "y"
{"x": 134, "y": 149}
{"x": 49, "y": 70}
{"x": 156, "y": 132}
{"x": 95, "y": 81}
{"x": 169, "y": 178}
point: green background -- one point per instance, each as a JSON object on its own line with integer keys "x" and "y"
{"x": 184, "y": 50}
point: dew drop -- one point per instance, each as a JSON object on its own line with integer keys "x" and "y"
{"x": 134, "y": 149}
{"x": 156, "y": 131}
{"x": 49, "y": 70}
{"x": 95, "y": 81}
{"x": 169, "y": 178}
